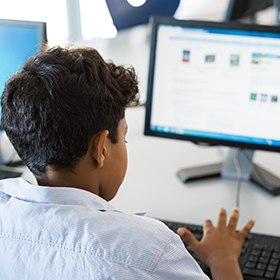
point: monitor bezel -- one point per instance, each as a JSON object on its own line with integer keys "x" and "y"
{"x": 42, "y": 26}
{"x": 159, "y": 20}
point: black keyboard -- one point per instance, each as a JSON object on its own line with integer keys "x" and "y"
{"x": 260, "y": 256}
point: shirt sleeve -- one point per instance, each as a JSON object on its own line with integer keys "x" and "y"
{"x": 175, "y": 262}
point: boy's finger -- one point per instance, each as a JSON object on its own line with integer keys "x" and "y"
{"x": 207, "y": 225}
{"x": 244, "y": 232}
{"x": 233, "y": 219}
{"x": 187, "y": 236}
{"x": 222, "y": 219}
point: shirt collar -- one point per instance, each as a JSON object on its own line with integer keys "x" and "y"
{"x": 23, "y": 190}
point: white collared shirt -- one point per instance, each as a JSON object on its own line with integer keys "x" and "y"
{"x": 68, "y": 233}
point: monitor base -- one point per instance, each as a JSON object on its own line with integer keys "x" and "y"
{"x": 200, "y": 172}
{"x": 265, "y": 179}
{"x": 250, "y": 172}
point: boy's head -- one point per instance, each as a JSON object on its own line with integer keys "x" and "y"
{"x": 59, "y": 100}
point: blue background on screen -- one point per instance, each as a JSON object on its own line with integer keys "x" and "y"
{"x": 17, "y": 44}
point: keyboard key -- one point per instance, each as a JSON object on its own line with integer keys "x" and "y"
{"x": 198, "y": 236}
{"x": 274, "y": 262}
{"x": 192, "y": 228}
{"x": 268, "y": 248}
{"x": 266, "y": 254}
{"x": 253, "y": 259}
{"x": 277, "y": 249}
{"x": 264, "y": 260}
{"x": 250, "y": 265}
{"x": 243, "y": 251}
{"x": 255, "y": 252}
{"x": 249, "y": 237}
{"x": 272, "y": 268}
{"x": 269, "y": 275}
{"x": 278, "y": 274}
{"x": 245, "y": 246}
{"x": 253, "y": 272}
{"x": 257, "y": 246}
{"x": 261, "y": 266}
{"x": 276, "y": 255}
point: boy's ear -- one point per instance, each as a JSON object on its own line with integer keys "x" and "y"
{"x": 98, "y": 147}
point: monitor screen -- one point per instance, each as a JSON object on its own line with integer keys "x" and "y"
{"x": 215, "y": 83}
{"x": 18, "y": 41}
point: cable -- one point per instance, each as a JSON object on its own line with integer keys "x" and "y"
{"x": 239, "y": 177}
{"x": 239, "y": 173}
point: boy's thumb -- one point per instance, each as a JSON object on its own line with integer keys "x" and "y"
{"x": 187, "y": 236}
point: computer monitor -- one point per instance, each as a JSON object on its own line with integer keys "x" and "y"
{"x": 18, "y": 41}
{"x": 216, "y": 83}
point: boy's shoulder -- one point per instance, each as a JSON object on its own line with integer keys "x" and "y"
{"x": 137, "y": 239}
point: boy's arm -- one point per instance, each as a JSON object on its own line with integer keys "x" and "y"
{"x": 220, "y": 247}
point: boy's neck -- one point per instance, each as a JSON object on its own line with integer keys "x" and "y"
{"x": 80, "y": 178}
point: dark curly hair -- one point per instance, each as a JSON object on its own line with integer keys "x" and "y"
{"x": 54, "y": 105}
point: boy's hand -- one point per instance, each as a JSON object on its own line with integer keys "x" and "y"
{"x": 220, "y": 247}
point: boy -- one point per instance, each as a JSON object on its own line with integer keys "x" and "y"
{"x": 64, "y": 113}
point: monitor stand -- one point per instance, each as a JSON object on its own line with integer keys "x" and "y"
{"x": 7, "y": 166}
{"x": 249, "y": 171}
